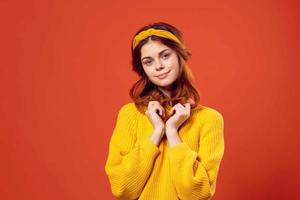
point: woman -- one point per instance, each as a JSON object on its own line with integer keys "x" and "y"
{"x": 165, "y": 145}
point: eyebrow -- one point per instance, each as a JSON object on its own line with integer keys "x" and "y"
{"x": 158, "y": 54}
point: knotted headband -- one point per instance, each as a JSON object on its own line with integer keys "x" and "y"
{"x": 151, "y": 31}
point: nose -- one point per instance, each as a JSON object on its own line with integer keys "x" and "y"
{"x": 159, "y": 66}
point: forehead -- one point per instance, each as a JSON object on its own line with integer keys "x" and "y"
{"x": 152, "y": 48}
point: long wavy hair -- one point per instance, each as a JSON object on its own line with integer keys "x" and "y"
{"x": 182, "y": 90}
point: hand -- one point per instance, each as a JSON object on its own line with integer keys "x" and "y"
{"x": 182, "y": 113}
{"x": 153, "y": 112}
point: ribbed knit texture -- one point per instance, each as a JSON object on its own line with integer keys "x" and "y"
{"x": 138, "y": 169}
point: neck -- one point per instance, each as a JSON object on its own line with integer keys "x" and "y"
{"x": 166, "y": 91}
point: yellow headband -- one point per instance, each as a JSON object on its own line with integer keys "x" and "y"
{"x": 151, "y": 31}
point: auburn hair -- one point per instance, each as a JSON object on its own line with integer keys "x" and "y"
{"x": 144, "y": 90}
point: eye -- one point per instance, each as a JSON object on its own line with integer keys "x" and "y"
{"x": 148, "y": 62}
{"x": 166, "y": 55}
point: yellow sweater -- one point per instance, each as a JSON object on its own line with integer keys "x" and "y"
{"x": 138, "y": 169}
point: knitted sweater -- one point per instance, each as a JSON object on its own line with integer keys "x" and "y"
{"x": 138, "y": 169}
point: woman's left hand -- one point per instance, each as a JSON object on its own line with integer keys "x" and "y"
{"x": 182, "y": 113}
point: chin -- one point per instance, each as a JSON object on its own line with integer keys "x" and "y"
{"x": 166, "y": 84}
{"x": 163, "y": 82}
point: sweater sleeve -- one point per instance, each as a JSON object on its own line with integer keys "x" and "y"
{"x": 129, "y": 164}
{"x": 195, "y": 173}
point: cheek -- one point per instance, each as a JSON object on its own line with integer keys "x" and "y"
{"x": 174, "y": 65}
{"x": 173, "y": 62}
{"x": 147, "y": 71}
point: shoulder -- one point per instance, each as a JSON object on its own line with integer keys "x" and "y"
{"x": 207, "y": 114}
{"x": 127, "y": 115}
{"x": 128, "y": 109}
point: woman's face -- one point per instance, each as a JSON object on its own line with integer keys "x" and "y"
{"x": 160, "y": 63}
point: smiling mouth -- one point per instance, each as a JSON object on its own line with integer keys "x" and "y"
{"x": 164, "y": 75}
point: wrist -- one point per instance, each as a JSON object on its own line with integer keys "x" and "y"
{"x": 156, "y": 136}
{"x": 170, "y": 130}
{"x": 173, "y": 138}
{"x": 158, "y": 130}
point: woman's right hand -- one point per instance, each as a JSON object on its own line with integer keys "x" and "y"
{"x": 153, "y": 112}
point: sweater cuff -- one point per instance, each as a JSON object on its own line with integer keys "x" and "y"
{"x": 182, "y": 146}
{"x": 151, "y": 149}
{"x": 180, "y": 150}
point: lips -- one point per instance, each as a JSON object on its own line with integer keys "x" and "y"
{"x": 163, "y": 75}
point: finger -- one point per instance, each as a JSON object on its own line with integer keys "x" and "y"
{"x": 175, "y": 108}
{"x": 183, "y": 109}
{"x": 157, "y": 111}
{"x": 180, "y": 107}
{"x": 172, "y": 109}
{"x": 163, "y": 111}
{"x": 160, "y": 111}
{"x": 188, "y": 108}
{"x": 152, "y": 103}
{"x": 191, "y": 101}
{"x": 155, "y": 105}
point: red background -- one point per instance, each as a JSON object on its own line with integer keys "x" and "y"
{"x": 65, "y": 71}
